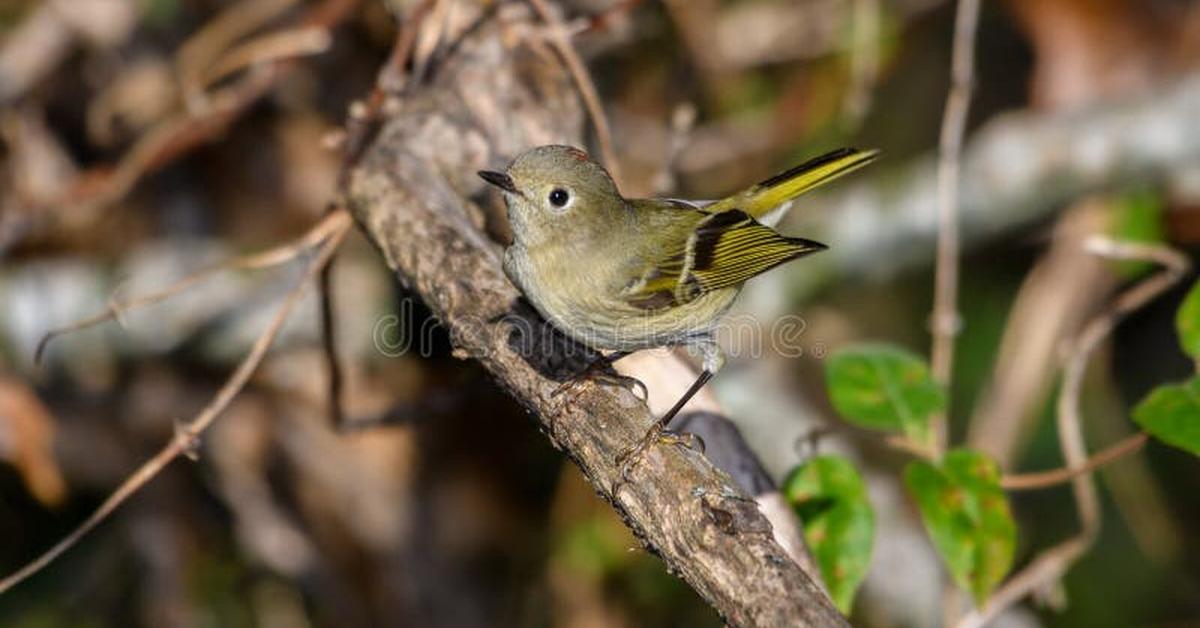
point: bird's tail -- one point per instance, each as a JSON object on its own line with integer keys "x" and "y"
{"x": 765, "y": 196}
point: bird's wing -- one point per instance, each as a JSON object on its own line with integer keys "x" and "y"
{"x": 723, "y": 251}
{"x": 764, "y": 196}
{"x": 677, "y": 203}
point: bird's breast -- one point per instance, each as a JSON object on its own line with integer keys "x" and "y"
{"x": 581, "y": 296}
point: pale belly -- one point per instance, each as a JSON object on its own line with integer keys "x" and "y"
{"x": 604, "y": 322}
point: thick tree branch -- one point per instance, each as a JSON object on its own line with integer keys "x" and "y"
{"x": 666, "y": 378}
{"x": 490, "y": 98}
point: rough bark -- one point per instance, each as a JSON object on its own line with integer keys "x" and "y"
{"x": 494, "y": 93}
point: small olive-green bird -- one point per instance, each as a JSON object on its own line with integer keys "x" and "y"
{"x": 620, "y": 274}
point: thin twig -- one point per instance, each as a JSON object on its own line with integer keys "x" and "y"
{"x": 944, "y": 322}
{"x": 1070, "y": 430}
{"x": 284, "y": 44}
{"x": 430, "y": 32}
{"x": 1054, "y": 562}
{"x": 333, "y": 366}
{"x": 1054, "y": 477}
{"x": 360, "y": 131}
{"x": 186, "y": 435}
{"x": 103, "y": 186}
{"x": 364, "y": 121}
{"x": 202, "y": 48}
{"x": 560, "y": 39}
{"x": 263, "y": 259}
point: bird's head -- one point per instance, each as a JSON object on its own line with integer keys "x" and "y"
{"x": 556, "y": 191}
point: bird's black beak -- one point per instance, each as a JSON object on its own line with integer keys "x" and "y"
{"x": 500, "y": 180}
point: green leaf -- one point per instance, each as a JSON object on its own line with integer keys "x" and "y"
{"x": 967, "y": 516}
{"x": 884, "y": 387}
{"x": 1137, "y": 218}
{"x": 1187, "y": 322}
{"x": 839, "y": 525}
{"x": 1171, "y": 414}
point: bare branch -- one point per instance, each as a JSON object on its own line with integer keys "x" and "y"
{"x": 560, "y": 39}
{"x": 201, "y": 50}
{"x": 666, "y": 378}
{"x": 271, "y": 257}
{"x": 364, "y": 121}
{"x": 360, "y": 130}
{"x": 944, "y": 322}
{"x": 187, "y": 435}
{"x": 275, "y": 46}
{"x": 102, "y": 186}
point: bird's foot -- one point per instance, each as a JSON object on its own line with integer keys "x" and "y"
{"x": 657, "y": 435}
{"x": 594, "y": 374}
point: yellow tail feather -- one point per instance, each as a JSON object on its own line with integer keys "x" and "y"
{"x": 773, "y": 192}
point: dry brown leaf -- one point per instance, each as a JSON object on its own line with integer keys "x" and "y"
{"x": 27, "y": 441}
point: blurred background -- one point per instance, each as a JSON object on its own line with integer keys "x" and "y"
{"x": 141, "y": 140}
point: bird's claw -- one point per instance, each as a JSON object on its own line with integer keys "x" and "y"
{"x": 571, "y": 384}
{"x": 634, "y": 384}
{"x": 657, "y": 435}
{"x": 609, "y": 379}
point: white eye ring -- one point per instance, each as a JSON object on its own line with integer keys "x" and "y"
{"x": 559, "y": 199}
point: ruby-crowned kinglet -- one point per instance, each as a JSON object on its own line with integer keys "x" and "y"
{"x": 621, "y": 274}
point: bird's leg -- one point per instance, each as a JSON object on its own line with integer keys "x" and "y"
{"x": 658, "y": 432}
{"x": 596, "y": 372}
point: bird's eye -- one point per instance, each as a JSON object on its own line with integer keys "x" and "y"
{"x": 559, "y": 197}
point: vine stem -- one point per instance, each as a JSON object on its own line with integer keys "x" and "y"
{"x": 560, "y": 39}
{"x": 1054, "y": 477}
{"x": 1054, "y": 562}
{"x": 944, "y": 321}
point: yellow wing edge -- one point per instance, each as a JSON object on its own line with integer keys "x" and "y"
{"x": 726, "y": 250}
